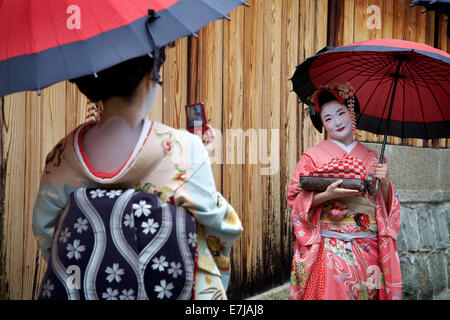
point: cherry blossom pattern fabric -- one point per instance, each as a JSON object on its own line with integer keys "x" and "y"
{"x": 121, "y": 245}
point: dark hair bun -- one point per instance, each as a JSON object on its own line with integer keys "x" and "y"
{"x": 119, "y": 80}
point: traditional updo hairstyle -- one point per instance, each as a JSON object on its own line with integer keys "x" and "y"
{"x": 343, "y": 94}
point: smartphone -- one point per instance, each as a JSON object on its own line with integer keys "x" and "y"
{"x": 195, "y": 115}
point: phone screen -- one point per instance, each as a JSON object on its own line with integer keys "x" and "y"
{"x": 195, "y": 114}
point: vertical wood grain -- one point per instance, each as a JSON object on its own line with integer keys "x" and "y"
{"x": 233, "y": 118}
{"x": 14, "y": 133}
{"x": 252, "y": 194}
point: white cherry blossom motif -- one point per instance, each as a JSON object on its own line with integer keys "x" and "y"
{"x": 47, "y": 289}
{"x": 141, "y": 208}
{"x": 74, "y": 249}
{"x": 97, "y": 193}
{"x": 192, "y": 239}
{"x": 127, "y": 295}
{"x": 160, "y": 263}
{"x": 175, "y": 269}
{"x": 149, "y": 226}
{"x": 164, "y": 289}
{"x": 64, "y": 235}
{"x": 129, "y": 221}
{"x": 110, "y": 294}
{"x": 81, "y": 225}
{"x": 114, "y": 273}
{"x": 113, "y": 193}
{"x": 301, "y": 233}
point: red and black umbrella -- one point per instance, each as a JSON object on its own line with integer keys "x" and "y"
{"x": 403, "y": 87}
{"x": 46, "y": 41}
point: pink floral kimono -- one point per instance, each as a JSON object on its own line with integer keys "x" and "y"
{"x": 345, "y": 248}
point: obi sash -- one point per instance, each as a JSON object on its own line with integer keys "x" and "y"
{"x": 121, "y": 244}
{"x": 349, "y": 215}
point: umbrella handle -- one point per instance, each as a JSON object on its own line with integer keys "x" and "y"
{"x": 372, "y": 190}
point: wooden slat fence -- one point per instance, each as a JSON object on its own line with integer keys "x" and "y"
{"x": 240, "y": 70}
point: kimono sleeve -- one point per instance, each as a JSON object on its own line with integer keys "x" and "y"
{"x": 300, "y": 200}
{"x": 50, "y": 200}
{"x": 217, "y": 219}
{"x": 305, "y": 218}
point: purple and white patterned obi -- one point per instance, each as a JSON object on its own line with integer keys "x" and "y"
{"x": 121, "y": 244}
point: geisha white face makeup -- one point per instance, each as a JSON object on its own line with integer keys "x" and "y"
{"x": 337, "y": 121}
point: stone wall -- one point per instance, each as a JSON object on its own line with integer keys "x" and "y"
{"x": 422, "y": 179}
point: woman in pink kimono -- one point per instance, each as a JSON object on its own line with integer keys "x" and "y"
{"x": 345, "y": 241}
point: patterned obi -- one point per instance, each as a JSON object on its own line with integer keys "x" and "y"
{"x": 121, "y": 244}
{"x": 349, "y": 215}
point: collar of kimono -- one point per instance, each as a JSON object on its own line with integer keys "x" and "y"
{"x": 106, "y": 177}
{"x": 348, "y": 148}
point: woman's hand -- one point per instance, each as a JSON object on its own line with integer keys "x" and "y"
{"x": 332, "y": 192}
{"x": 208, "y": 138}
{"x": 381, "y": 172}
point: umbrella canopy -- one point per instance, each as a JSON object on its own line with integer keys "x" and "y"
{"x": 46, "y": 41}
{"x": 442, "y": 6}
{"x": 404, "y": 82}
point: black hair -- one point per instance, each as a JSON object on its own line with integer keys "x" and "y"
{"x": 119, "y": 80}
{"x": 325, "y": 97}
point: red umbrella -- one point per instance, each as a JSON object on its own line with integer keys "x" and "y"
{"x": 46, "y": 41}
{"x": 403, "y": 87}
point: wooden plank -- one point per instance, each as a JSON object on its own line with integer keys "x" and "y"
{"x": 14, "y": 133}
{"x": 157, "y": 112}
{"x": 313, "y": 36}
{"x": 210, "y": 79}
{"x": 76, "y": 110}
{"x": 3, "y": 291}
{"x": 233, "y": 118}
{"x": 349, "y": 21}
{"x": 175, "y": 85}
{"x": 289, "y": 106}
{"x": 320, "y": 41}
{"x": 33, "y": 169}
{"x": 252, "y": 197}
{"x": 269, "y": 154}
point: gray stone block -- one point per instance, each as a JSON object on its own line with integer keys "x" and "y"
{"x": 444, "y": 172}
{"x": 422, "y": 275}
{"x": 401, "y": 240}
{"x": 426, "y": 228}
{"x": 440, "y": 226}
{"x": 409, "y": 237}
{"x": 409, "y": 288}
{"x": 438, "y": 272}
